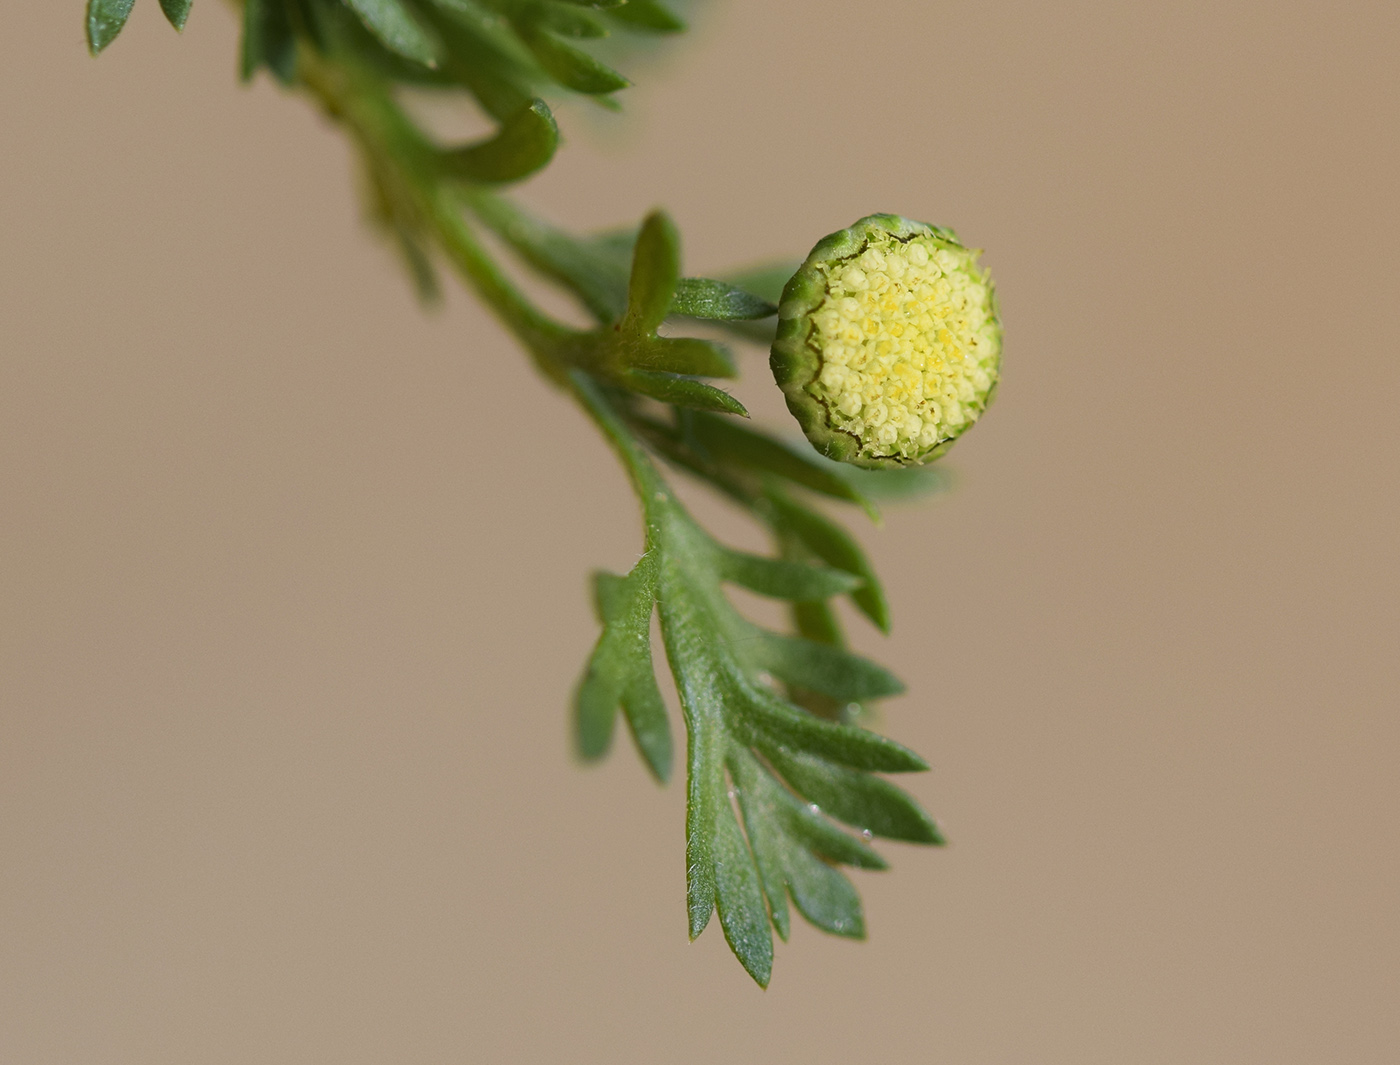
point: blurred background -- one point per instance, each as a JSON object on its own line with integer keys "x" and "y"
{"x": 291, "y": 608}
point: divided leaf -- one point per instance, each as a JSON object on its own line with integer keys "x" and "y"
{"x": 620, "y": 672}
{"x": 863, "y": 801}
{"x": 787, "y": 771}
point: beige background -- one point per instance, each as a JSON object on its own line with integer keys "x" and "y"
{"x": 285, "y": 647}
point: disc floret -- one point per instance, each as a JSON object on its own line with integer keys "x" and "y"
{"x": 888, "y": 344}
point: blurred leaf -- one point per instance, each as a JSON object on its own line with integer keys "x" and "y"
{"x": 567, "y": 19}
{"x": 595, "y": 270}
{"x": 570, "y": 67}
{"x": 267, "y": 41}
{"x": 756, "y": 450}
{"x": 398, "y": 29}
{"x": 525, "y": 143}
{"x": 781, "y": 579}
{"x": 908, "y": 482}
{"x": 105, "y": 19}
{"x": 176, "y": 11}
{"x": 648, "y": 15}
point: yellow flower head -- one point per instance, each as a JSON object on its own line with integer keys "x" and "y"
{"x": 888, "y": 342}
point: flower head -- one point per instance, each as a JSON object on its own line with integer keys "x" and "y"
{"x": 888, "y": 344}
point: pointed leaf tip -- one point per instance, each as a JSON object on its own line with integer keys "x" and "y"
{"x": 569, "y": 66}
{"x": 105, "y": 19}
{"x": 655, "y": 272}
{"x": 682, "y": 391}
{"x": 701, "y": 297}
{"x": 648, "y": 15}
{"x": 176, "y": 11}
{"x": 398, "y": 29}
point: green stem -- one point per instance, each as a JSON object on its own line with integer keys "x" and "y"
{"x": 407, "y": 164}
{"x": 543, "y": 336}
{"x": 650, "y": 487}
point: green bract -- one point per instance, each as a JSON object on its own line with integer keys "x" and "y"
{"x": 888, "y": 344}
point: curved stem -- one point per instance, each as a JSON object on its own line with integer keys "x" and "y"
{"x": 407, "y": 165}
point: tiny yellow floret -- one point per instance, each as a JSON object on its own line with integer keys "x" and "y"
{"x": 908, "y": 344}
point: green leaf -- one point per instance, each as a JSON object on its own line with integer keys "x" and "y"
{"x": 785, "y": 858}
{"x": 756, "y": 450}
{"x": 834, "y": 546}
{"x": 681, "y": 391}
{"x": 823, "y": 895}
{"x": 682, "y": 355}
{"x": 525, "y": 143}
{"x": 739, "y": 895}
{"x": 620, "y": 672}
{"x": 770, "y": 800}
{"x": 781, "y": 579}
{"x": 648, "y": 15}
{"x": 816, "y": 621}
{"x": 593, "y": 269}
{"x": 822, "y": 668}
{"x": 763, "y": 824}
{"x": 655, "y": 270}
{"x": 777, "y": 724}
{"x": 700, "y": 297}
{"x": 867, "y": 802}
{"x": 176, "y": 11}
{"x": 733, "y": 719}
{"x": 570, "y": 67}
{"x": 569, "y": 20}
{"x": 420, "y": 266}
{"x": 267, "y": 41}
{"x": 397, "y": 29}
{"x": 483, "y": 53}
{"x": 105, "y": 19}
{"x": 907, "y": 482}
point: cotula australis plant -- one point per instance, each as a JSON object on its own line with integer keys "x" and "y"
{"x": 887, "y": 348}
